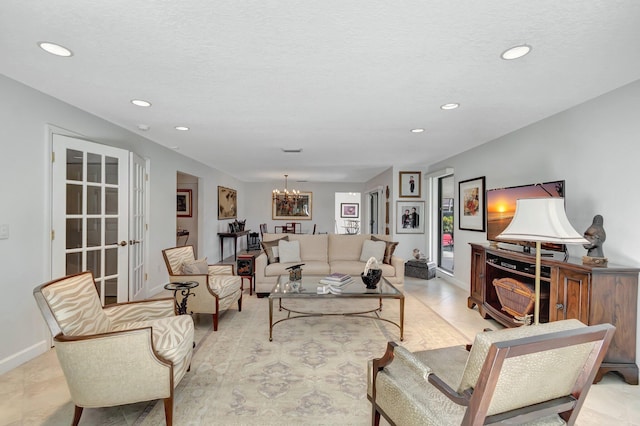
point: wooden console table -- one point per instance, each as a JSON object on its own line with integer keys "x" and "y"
{"x": 235, "y": 236}
{"x": 593, "y": 295}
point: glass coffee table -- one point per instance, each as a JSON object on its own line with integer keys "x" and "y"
{"x": 307, "y": 288}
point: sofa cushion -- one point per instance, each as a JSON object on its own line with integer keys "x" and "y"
{"x": 269, "y": 246}
{"x": 289, "y": 251}
{"x": 346, "y": 247}
{"x": 373, "y": 249}
{"x": 199, "y": 266}
{"x": 312, "y": 247}
{"x": 389, "y": 249}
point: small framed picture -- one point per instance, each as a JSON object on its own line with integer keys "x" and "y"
{"x": 410, "y": 184}
{"x": 349, "y": 210}
{"x": 184, "y": 208}
{"x": 471, "y": 203}
{"x": 410, "y": 217}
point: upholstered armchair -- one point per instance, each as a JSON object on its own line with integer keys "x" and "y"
{"x": 536, "y": 375}
{"x": 218, "y": 286}
{"x": 120, "y": 354}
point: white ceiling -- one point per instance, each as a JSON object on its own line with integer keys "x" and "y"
{"x": 344, "y": 80}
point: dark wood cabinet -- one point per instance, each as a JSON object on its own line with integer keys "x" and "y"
{"x": 593, "y": 295}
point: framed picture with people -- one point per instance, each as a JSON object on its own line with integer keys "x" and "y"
{"x": 410, "y": 184}
{"x": 410, "y": 217}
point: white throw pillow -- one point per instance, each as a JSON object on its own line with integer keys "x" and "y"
{"x": 196, "y": 267}
{"x": 371, "y": 249}
{"x": 289, "y": 251}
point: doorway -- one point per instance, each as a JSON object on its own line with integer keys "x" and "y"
{"x": 445, "y": 223}
{"x": 187, "y": 221}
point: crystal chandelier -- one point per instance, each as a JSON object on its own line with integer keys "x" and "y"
{"x": 286, "y": 195}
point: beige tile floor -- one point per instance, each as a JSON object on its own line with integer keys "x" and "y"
{"x": 36, "y": 393}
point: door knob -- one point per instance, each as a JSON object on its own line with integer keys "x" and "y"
{"x": 123, "y": 243}
{"x": 132, "y": 242}
{"x": 559, "y": 306}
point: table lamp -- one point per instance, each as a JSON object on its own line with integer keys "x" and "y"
{"x": 541, "y": 220}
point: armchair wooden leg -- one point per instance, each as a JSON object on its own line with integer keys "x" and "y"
{"x": 168, "y": 410}
{"x": 215, "y": 322}
{"x": 76, "y": 416}
{"x": 240, "y": 304}
{"x": 375, "y": 421}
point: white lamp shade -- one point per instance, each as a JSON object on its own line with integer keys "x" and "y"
{"x": 541, "y": 219}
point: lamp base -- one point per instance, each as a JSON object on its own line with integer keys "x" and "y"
{"x": 595, "y": 261}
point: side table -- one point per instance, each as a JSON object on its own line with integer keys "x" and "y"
{"x": 185, "y": 291}
{"x": 245, "y": 268}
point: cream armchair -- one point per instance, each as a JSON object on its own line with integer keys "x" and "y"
{"x": 537, "y": 375}
{"x": 218, "y": 286}
{"x": 120, "y": 354}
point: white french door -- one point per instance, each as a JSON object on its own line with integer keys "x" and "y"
{"x": 90, "y": 208}
{"x": 137, "y": 226}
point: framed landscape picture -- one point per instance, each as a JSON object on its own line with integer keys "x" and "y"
{"x": 472, "y": 204}
{"x": 410, "y": 217}
{"x": 410, "y": 184}
{"x": 183, "y": 207}
{"x": 350, "y": 210}
{"x": 227, "y": 203}
{"x": 284, "y": 208}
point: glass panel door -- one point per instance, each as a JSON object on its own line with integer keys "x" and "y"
{"x": 373, "y": 213}
{"x": 90, "y": 210}
{"x": 445, "y": 223}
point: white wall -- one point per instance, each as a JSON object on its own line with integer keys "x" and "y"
{"x": 24, "y": 173}
{"x": 594, "y": 147}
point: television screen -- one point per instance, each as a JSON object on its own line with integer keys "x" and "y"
{"x": 501, "y": 206}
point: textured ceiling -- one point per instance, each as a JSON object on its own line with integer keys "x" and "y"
{"x": 343, "y": 80}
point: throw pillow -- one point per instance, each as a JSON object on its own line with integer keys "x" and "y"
{"x": 199, "y": 266}
{"x": 371, "y": 249}
{"x": 289, "y": 251}
{"x": 390, "y": 248}
{"x": 270, "y": 248}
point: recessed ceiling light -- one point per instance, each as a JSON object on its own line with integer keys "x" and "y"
{"x": 143, "y": 127}
{"x": 450, "y": 106}
{"x": 516, "y": 52}
{"x": 417, "y": 130}
{"x": 55, "y": 49}
{"x": 177, "y": 148}
{"x": 183, "y": 128}
{"x": 292, "y": 150}
{"x": 141, "y": 103}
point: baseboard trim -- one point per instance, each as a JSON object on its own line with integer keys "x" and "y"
{"x": 27, "y": 354}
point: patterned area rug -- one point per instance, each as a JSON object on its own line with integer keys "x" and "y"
{"x": 312, "y": 373}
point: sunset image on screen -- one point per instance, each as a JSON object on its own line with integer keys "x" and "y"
{"x": 501, "y": 203}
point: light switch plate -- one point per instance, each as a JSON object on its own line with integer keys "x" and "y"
{"x": 4, "y": 232}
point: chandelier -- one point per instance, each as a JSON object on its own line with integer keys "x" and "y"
{"x": 286, "y": 195}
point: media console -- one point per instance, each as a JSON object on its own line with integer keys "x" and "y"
{"x": 593, "y": 295}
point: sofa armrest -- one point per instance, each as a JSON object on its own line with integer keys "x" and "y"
{"x": 261, "y": 264}
{"x": 140, "y": 311}
{"x": 398, "y": 264}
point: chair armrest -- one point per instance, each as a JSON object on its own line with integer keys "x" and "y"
{"x": 124, "y": 357}
{"x": 140, "y": 310}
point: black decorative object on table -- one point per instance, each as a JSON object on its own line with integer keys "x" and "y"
{"x": 372, "y": 278}
{"x": 596, "y": 236}
{"x": 295, "y": 272}
{"x": 185, "y": 290}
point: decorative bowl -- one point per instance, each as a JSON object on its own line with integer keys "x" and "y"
{"x": 372, "y": 278}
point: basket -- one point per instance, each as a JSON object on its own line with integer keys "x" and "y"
{"x": 516, "y": 298}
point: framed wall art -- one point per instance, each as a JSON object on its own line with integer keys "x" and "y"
{"x": 286, "y": 207}
{"x": 184, "y": 207}
{"x": 471, "y": 204}
{"x": 410, "y": 217}
{"x": 350, "y": 210}
{"x": 410, "y": 184}
{"x": 227, "y": 203}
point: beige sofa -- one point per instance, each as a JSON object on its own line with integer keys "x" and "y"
{"x": 323, "y": 254}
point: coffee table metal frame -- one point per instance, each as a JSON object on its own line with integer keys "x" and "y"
{"x": 306, "y": 288}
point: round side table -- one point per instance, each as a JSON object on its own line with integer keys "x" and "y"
{"x": 185, "y": 291}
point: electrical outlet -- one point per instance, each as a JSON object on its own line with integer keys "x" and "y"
{"x": 4, "y": 232}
